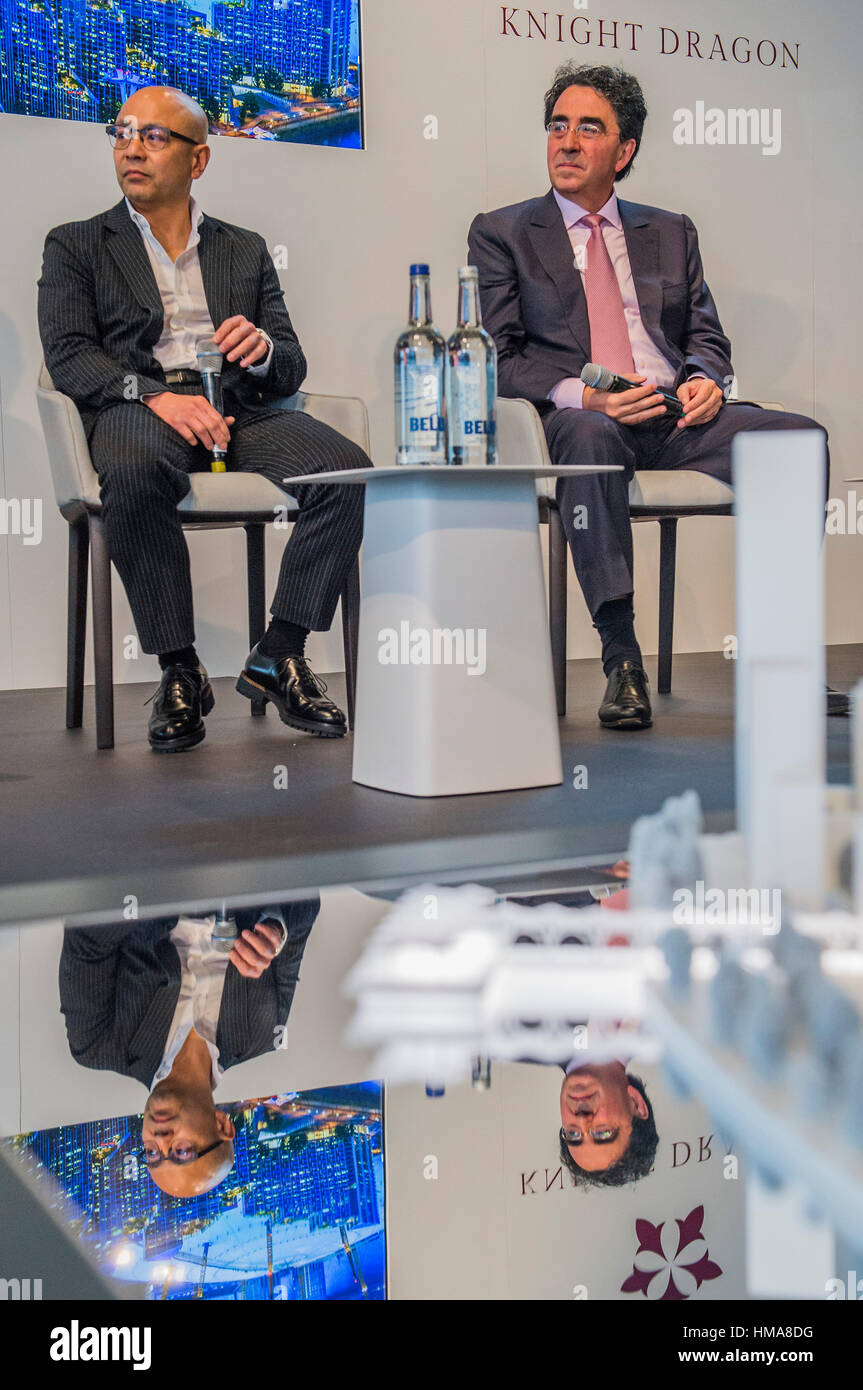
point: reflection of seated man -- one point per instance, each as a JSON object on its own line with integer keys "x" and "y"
{"x": 607, "y": 1132}
{"x": 159, "y": 1001}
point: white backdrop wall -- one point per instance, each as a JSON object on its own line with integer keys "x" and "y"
{"x": 780, "y": 237}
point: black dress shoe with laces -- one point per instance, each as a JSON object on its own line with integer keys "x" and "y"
{"x": 289, "y": 683}
{"x": 626, "y": 704}
{"x": 183, "y": 698}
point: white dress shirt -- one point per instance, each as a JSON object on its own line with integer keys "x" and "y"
{"x": 648, "y": 360}
{"x": 202, "y": 982}
{"x": 181, "y": 287}
{"x": 201, "y": 985}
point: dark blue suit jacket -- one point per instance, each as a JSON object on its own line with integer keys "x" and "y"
{"x": 534, "y": 306}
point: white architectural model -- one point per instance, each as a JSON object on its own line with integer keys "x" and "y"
{"x": 744, "y": 968}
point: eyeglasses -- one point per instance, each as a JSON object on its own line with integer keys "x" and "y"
{"x": 185, "y": 1153}
{"x": 602, "y": 1135}
{"x": 586, "y": 130}
{"x": 155, "y": 137}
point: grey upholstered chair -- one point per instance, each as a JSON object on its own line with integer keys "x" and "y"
{"x": 216, "y": 500}
{"x": 663, "y": 495}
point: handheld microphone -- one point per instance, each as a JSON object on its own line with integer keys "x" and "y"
{"x": 210, "y": 366}
{"x": 601, "y": 379}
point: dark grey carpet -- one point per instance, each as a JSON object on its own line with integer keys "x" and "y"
{"x": 79, "y": 829}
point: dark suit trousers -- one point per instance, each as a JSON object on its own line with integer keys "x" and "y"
{"x": 144, "y": 465}
{"x": 600, "y": 538}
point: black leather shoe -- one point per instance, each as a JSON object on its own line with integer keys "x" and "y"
{"x": 291, "y": 685}
{"x": 837, "y": 703}
{"x": 176, "y": 721}
{"x": 626, "y": 704}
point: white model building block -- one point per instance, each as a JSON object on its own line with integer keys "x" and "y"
{"x": 780, "y": 740}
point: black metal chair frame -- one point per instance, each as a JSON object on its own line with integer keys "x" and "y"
{"x": 87, "y": 540}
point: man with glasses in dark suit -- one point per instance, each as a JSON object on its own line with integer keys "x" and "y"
{"x": 580, "y": 275}
{"x": 174, "y": 1003}
{"x": 124, "y": 300}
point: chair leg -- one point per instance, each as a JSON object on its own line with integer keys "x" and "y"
{"x": 100, "y": 564}
{"x": 667, "y": 565}
{"x": 255, "y": 563}
{"x": 76, "y": 621}
{"x": 350, "y": 634}
{"x": 557, "y": 551}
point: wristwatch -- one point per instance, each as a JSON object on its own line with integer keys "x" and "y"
{"x": 269, "y": 342}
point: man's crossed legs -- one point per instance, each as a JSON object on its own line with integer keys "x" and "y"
{"x": 143, "y": 466}
{"x": 594, "y": 509}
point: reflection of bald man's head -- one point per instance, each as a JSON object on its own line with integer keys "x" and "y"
{"x": 607, "y": 1132}
{"x": 188, "y": 1143}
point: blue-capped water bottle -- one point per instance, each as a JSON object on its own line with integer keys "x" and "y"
{"x": 471, "y": 380}
{"x": 419, "y": 380}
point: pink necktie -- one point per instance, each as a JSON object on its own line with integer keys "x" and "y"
{"x": 609, "y": 337}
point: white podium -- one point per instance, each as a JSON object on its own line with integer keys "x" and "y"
{"x": 454, "y": 682}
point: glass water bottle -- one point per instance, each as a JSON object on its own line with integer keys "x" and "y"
{"x": 419, "y": 380}
{"x": 471, "y": 381}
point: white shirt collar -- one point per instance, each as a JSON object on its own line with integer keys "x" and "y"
{"x": 195, "y": 213}
{"x": 573, "y": 212}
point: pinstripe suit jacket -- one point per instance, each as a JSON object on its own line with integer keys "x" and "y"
{"x": 100, "y": 312}
{"x": 119, "y": 986}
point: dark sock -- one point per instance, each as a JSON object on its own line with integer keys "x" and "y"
{"x": 283, "y": 639}
{"x": 184, "y": 656}
{"x": 615, "y": 623}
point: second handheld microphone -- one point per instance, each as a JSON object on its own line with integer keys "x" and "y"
{"x": 209, "y": 357}
{"x": 601, "y": 379}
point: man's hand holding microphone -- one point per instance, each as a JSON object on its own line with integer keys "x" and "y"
{"x": 256, "y": 949}
{"x": 697, "y": 400}
{"x": 200, "y": 419}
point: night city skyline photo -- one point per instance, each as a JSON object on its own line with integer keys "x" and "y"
{"x": 286, "y": 70}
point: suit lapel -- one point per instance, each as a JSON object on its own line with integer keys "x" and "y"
{"x": 550, "y": 240}
{"x": 126, "y": 247}
{"x": 214, "y": 254}
{"x": 642, "y": 246}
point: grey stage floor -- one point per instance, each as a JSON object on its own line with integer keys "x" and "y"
{"x": 80, "y": 830}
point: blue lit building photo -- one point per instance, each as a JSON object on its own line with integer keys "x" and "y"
{"x": 284, "y": 70}
{"x": 300, "y": 1215}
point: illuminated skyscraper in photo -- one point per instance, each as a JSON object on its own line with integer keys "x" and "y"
{"x": 80, "y": 59}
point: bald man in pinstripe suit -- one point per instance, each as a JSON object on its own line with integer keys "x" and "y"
{"x": 124, "y": 298}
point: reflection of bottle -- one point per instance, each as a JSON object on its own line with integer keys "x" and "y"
{"x": 419, "y": 380}
{"x": 480, "y": 1077}
{"x": 224, "y": 931}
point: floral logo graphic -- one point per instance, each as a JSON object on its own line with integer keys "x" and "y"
{"x": 672, "y": 1260}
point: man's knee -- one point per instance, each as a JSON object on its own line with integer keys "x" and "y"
{"x": 325, "y": 448}
{"x": 581, "y": 426}
{"x": 338, "y": 454}
{"x": 787, "y": 420}
{"x": 353, "y": 456}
